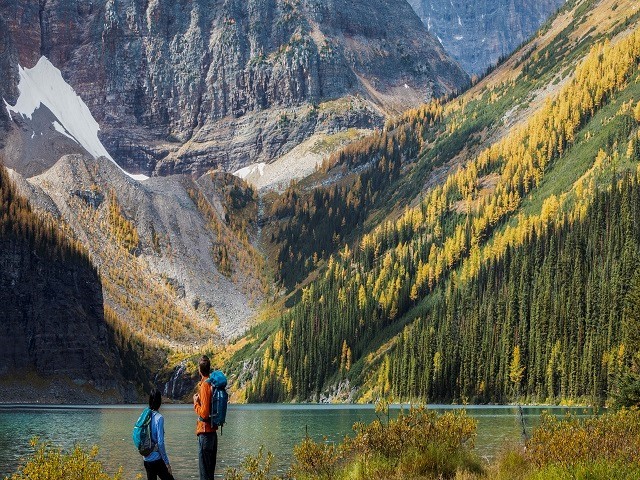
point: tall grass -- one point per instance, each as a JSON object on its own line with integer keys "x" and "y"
{"x": 599, "y": 448}
{"x": 51, "y": 463}
{"x": 420, "y": 443}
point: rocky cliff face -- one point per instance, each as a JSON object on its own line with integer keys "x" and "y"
{"x": 8, "y": 75}
{"x": 52, "y": 322}
{"x": 478, "y": 33}
{"x": 184, "y": 85}
{"x": 188, "y": 252}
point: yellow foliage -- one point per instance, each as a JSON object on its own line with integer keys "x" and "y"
{"x": 516, "y": 369}
{"x": 122, "y": 229}
{"x": 49, "y": 463}
{"x": 411, "y": 446}
{"x": 610, "y": 437}
{"x": 636, "y": 112}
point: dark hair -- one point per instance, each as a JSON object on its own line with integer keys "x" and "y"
{"x": 155, "y": 399}
{"x": 204, "y": 366}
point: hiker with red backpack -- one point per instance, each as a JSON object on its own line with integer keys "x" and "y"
{"x": 148, "y": 437}
{"x": 210, "y": 403}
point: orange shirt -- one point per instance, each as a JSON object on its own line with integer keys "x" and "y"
{"x": 203, "y": 407}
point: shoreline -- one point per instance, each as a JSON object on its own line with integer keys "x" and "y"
{"x": 285, "y": 406}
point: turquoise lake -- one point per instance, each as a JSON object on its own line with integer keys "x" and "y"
{"x": 277, "y": 427}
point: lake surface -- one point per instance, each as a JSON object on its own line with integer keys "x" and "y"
{"x": 277, "y": 427}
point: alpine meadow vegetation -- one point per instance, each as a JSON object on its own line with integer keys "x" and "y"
{"x": 52, "y": 463}
{"x": 419, "y": 444}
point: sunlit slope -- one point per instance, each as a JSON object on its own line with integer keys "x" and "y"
{"x": 525, "y": 149}
{"x": 378, "y": 176}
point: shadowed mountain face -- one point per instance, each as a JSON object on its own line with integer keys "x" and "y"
{"x": 182, "y": 86}
{"x": 478, "y": 33}
{"x": 180, "y": 246}
{"x": 8, "y": 75}
{"x": 52, "y": 323}
{"x": 52, "y": 320}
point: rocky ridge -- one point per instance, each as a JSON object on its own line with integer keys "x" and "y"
{"x": 184, "y": 86}
{"x": 477, "y": 34}
{"x": 173, "y": 260}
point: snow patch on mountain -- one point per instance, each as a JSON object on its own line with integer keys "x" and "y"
{"x": 252, "y": 169}
{"x": 60, "y": 129}
{"x": 44, "y": 85}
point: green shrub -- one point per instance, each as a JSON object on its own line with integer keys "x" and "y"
{"x": 316, "y": 460}
{"x": 253, "y": 468}
{"x": 599, "y": 448}
{"x": 596, "y": 470}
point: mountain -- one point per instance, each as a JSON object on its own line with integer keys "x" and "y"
{"x": 174, "y": 259}
{"x": 97, "y": 96}
{"x": 478, "y": 34}
{"x": 186, "y": 86}
{"x": 175, "y": 227}
{"x": 171, "y": 266}
{"x": 474, "y": 248}
{"x": 55, "y": 344}
{"x": 482, "y": 249}
{"x": 177, "y": 268}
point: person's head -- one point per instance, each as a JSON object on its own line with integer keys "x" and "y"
{"x": 204, "y": 366}
{"x": 155, "y": 399}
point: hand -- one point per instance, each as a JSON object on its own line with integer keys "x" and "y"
{"x": 196, "y": 398}
{"x": 169, "y": 468}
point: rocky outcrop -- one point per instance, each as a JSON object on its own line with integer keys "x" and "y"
{"x": 179, "y": 223}
{"x": 478, "y": 33}
{"x": 178, "y": 383}
{"x": 182, "y": 86}
{"x": 55, "y": 345}
{"x": 8, "y": 75}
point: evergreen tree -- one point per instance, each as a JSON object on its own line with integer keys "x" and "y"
{"x": 628, "y": 388}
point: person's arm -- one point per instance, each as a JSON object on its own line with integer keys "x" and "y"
{"x": 161, "y": 447}
{"x": 200, "y": 403}
{"x": 196, "y": 399}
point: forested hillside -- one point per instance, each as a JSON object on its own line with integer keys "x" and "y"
{"x": 371, "y": 179}
{"x": 542, "y": 321}
{"x": 479, "y": 274}
{"x": 310, "y": 226}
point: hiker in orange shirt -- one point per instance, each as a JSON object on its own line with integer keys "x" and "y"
{"x": 207, "y": 436}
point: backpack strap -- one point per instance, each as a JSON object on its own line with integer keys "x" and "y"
{"x": 155, "y": 444}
